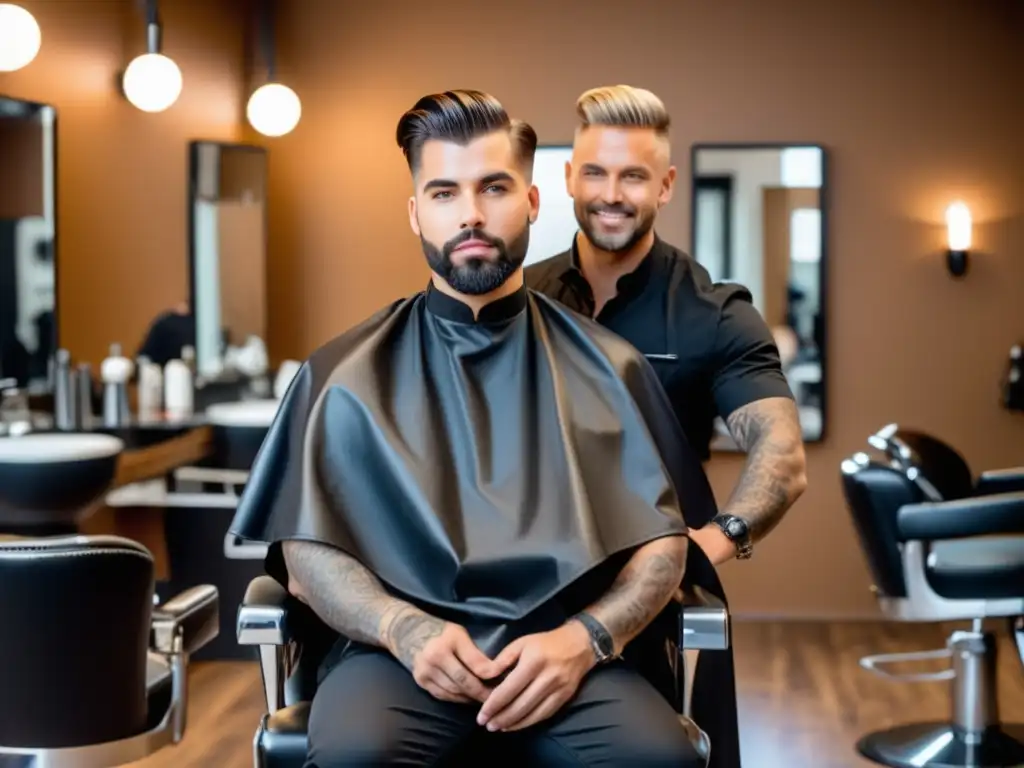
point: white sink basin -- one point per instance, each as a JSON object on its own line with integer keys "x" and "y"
{"x": 50, "y": 482}
{"x": 245, "y": 413}
{"x": 53, "y": 448}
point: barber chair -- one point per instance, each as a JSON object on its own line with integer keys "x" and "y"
{"x": 293, "y": 642}
{"x": 939, "y": 559}
{"x": 91, "y": 673}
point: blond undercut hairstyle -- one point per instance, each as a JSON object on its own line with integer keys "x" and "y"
{"x": 623, "y": 106}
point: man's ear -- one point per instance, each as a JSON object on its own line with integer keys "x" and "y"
{"x": 534, "y": 197}
{"x": 668, "y": 185}
{"x": 568, "y": 177}
{"x": 414, "y": 221}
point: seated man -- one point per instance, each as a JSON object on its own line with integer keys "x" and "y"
{"x": 470, "y": 487}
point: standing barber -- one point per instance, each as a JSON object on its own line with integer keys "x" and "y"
{"x": 711, "y": 349}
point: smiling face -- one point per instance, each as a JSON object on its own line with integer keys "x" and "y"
{"x": 619, "y": 178}
{"x": 472, "y": 210}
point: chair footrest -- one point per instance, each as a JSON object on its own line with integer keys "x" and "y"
{"x": 878, "y": 662}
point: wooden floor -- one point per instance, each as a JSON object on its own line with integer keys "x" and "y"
{"x": 803, "y": 698}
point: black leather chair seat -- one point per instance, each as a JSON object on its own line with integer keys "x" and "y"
{"x": 284, "y": 738}
{"x": 977, "y": 568}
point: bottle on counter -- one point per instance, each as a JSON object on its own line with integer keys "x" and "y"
{"x": 179, "y": 394}
{"x": 115, "y": 372}
{"x": 150, "y": 393}
{"x": 65, "y": 402}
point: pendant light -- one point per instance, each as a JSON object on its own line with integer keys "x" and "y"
{"x": 274, "y": 109}
{"x": 152, "y": 81}
{"x": 20, "y": 38}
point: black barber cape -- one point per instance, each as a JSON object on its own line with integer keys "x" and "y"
{"x": 495, "y": 471}
{"x": 482, "y": 468}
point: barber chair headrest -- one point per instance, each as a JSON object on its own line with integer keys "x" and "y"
{"x": 937, "y": 468}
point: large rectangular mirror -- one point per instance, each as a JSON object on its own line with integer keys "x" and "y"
{"x": 228, "y": 239}
{"x": 556, "y": 225}
{"x": 759, "y": 219}
{"x": 28, "y": 234}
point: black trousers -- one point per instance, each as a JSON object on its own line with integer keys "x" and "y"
{"x": 368, "y": 711}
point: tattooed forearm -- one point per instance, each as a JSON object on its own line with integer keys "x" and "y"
{"x": 775, "y": 473}
{"x": 642, "y": 589}
{"x": 350, "y": 600}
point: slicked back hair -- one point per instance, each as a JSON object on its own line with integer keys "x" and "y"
{"x": 623, "y": 106}
{"x": 460, "y": 117}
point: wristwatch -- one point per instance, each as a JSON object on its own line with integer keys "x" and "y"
{"x": 600, "y": 639}
{"x": 737, "y": 531}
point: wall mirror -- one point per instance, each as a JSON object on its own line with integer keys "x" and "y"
{"x": 228, "y": 264}
{"x": 759, "y": 219}
{"x": 556, "y": 226}
{"x": 28, "y": 235}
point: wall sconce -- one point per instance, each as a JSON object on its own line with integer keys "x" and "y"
{"x": 958, "y": 228}
{"x": 20, "y": 37}
{"x": 152, "y": 81}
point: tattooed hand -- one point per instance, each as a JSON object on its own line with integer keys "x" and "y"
{"x": 441, "y": 656}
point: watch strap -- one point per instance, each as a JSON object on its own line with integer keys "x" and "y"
{"x": 600, "y": 639}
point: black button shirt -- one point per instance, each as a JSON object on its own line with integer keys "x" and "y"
{"x": 710, "y": 347}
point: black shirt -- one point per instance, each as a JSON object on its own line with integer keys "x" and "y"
{"x": 710, "y": 347}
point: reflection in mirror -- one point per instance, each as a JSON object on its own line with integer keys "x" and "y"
{"x": 759, "y": 220}
{"x": 228, "y": 185}
{"x": 556, "y": 226}
{"x": 28, "y": 270}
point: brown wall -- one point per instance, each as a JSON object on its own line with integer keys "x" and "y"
{"x": 122, "y": 173}
{"x": 914, "y": 100}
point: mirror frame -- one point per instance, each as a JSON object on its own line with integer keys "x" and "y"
{"x": 194, "y": 147}
{"x": 54, "y": 197}
{"x": 824, "y": 203}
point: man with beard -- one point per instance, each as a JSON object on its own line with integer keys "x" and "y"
{"x": 472, "y": 488}
{"x": 712, "y": 351}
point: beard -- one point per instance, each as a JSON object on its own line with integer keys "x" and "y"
{"x": 614, "y": 242}
{"x": 478, "y": 276}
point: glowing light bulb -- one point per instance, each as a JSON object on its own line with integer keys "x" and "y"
{"x": 274, "y": 109}
{"x": 152, "y": 82}
{"x": 958, "y": 226}
{"x": 20, "y": 38}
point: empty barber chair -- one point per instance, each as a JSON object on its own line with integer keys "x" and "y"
{"x": 91, "y": 673}
{"x": 939, "y": 560}
{"x": 293, "y": 642}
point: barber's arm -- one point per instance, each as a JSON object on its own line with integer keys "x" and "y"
{"x": 548, "y": 667}
{"x": 348, "y": 598}
{"x": 750, "y": 388}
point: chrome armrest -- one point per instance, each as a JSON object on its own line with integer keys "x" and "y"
{"x": 187, "y": 622}
{"x": 263, "y": 614}
{"x": 704, "y": 622}
{"x": 180, "y": 627}
{"x": 263, "y": 621}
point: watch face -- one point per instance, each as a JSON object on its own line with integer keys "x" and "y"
{"x": 736, "y": 528}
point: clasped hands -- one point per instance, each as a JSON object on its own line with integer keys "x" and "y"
{"x": 542, "y": 672}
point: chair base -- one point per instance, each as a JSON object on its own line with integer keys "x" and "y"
{"x": 940, "y": 745}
